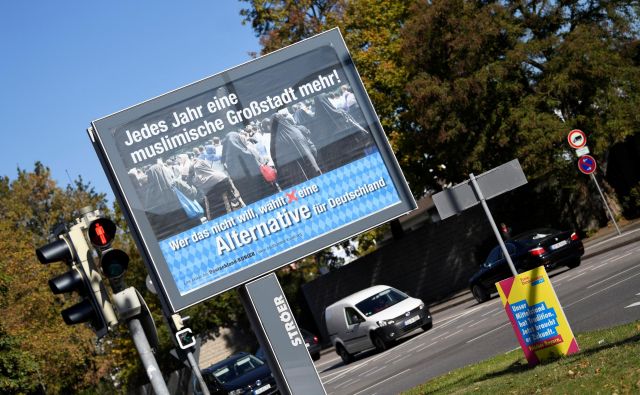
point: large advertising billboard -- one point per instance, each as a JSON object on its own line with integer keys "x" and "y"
{"x": 243, "y": 172}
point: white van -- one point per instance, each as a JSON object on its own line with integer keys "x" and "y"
{"x": 373, "y": 317}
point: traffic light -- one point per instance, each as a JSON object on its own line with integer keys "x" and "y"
{"x": 113, "y": 262}
{"x": 72, "y": 248}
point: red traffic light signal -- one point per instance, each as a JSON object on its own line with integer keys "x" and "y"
{"x": 101, "y": 232}
{"x": 113, "y": 262}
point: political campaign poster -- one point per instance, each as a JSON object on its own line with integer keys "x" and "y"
{"x": 248, "y": 170}
{"x": 536, "y": 316}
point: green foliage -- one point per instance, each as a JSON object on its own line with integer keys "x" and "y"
{"x": 38, "y": 349}
{"x": 17, "y": 367}
{"x": 631, "y": 202}
{"x": 463, "y": 86}
{"x": 607, "y": 363}
{"x": 282, "y": 22}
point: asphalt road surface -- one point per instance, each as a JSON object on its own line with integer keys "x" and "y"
{"x": 602, "y": 292}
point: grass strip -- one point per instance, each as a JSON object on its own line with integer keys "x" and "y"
{"x": 608, "y": 363}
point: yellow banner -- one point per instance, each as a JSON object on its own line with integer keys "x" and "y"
{"x": 536, "y": 316}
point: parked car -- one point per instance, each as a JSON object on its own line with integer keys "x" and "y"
{"x": 311, "y": 340}
{"x": 539, "y": 247}
{"x": 313, "y": 344}
{"x": 373, "y": 318}
{"x": 239, "y": 374}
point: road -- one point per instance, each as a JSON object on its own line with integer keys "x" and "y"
{"x": 602, "y": 292}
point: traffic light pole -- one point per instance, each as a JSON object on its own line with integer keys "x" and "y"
{"x": 146, "y": 356}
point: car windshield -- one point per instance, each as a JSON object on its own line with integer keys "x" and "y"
{"x": 380, "y": 301}
{"x": 235, "y": 368}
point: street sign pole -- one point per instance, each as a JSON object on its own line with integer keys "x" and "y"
{"x": 604, "y": 201}
{"x": 483, "y": 202}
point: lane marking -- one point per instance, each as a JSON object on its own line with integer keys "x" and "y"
{"x": 376, "y": 370}
{"x": 465, "y": 325}
{"x": 440, "y": 335}
{"x": 454, "y": 318}
{"x": 602, "y": 290}
{"x": 578, "y": 275}
{"x": 477, "y": 322}
{"x": 401, "y": 356}
{"x": 380, "y": 382}
{"x": 622, "y": 256}
{"x": 633, "y": 305}
{"x": 612, "y": 259}
{"x": 488, "y": 312}
{"x": 487, "y": 333}
{"x": 346, "y": 382}
{"x": 454, "y": 333}
{"x": 610, "y": 277}
{"x": 426, "y": 346}
{"x": 342, "y": 373}
{"x": 367, "y": 371}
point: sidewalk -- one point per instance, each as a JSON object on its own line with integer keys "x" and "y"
{"x": 605, "y": 240}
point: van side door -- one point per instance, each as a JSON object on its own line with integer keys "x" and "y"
{"x": 356, "y": 337}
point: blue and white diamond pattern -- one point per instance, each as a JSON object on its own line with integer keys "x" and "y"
{"x": 200, "y": 263}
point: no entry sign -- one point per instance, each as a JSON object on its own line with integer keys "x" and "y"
{"x": 587, "y": 164}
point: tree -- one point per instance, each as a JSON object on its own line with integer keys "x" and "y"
{"x": 38, "y": 351}
{"x": 282, "y": 22}
{"x": 492, "y": 81}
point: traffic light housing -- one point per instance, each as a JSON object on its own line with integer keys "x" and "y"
{"x": 113, "y": 262}
{"x": 72, "y": 248}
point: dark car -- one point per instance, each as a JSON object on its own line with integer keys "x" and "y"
{"x": 311, "y": 340}
{"x": 239, "y": 374}
{"x": 540, "y": 247}
{"x": 313, "y": 344}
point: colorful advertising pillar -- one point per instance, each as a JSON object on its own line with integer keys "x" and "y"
{"x": 536, "y": 316}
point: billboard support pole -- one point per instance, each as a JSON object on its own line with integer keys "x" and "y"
{"x": 482, "y": 200}
{"x": 252, "y": 314}
{"x": 593, "y": 177}
{"x": 280, "y": 337}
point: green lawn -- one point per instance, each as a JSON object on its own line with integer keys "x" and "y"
{"x": 608, "y": 363}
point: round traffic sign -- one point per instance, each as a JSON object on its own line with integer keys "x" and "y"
{"x": 577, "y": 138}
{"x": 587, "y": 164}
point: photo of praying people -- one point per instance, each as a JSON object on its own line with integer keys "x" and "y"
{"x": 239, "y": 166}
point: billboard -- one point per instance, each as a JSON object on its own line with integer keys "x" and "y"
{"x": 243, "y": 172}
{"x": 536, "y": 316}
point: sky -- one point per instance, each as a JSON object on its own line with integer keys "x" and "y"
{"x": 64, "y": 64}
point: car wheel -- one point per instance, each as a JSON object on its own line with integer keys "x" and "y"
{"x": 480, "y": 293}
{"x": 379, "y": 343}
{"x": 315, "y": 356}
{"x": 428, "y": 326}
{"x": 574, "y": 263}
{"x": 344, "y": 354}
